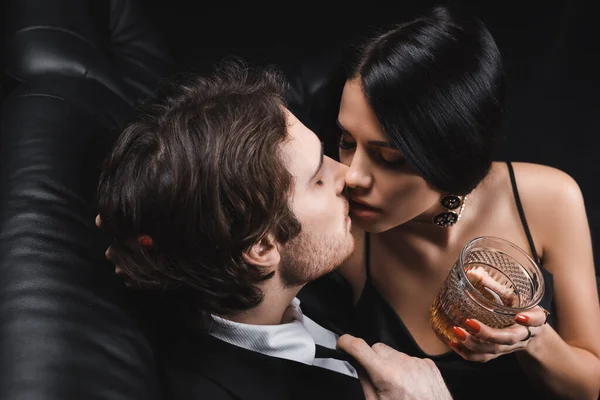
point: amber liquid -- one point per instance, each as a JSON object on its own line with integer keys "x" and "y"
{"x": 443, "y": 318}
{"x": 444, "y": 312}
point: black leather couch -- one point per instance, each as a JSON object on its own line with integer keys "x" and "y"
{"x": 74, "y": 70}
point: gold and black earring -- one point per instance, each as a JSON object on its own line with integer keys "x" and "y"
{"x": 448, "y": 218}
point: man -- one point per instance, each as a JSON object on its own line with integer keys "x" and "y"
{"x": 219, "y": 193}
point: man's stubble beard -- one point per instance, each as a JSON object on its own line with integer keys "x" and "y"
{"x": 308, "y": 257}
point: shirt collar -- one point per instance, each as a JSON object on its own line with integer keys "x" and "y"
{"x": 290, "y": 341}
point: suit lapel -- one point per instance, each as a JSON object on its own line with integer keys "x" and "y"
{"x": 250, "y": 375}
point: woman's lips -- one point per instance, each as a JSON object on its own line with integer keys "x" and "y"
{"x": 361, "y": 210}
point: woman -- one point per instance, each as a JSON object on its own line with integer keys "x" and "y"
{"x": 420, "y": 113}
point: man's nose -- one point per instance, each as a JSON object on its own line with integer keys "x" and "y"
{"x": 340, "y": 176}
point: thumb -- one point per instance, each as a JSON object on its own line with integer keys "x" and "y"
{"x": 362, "y": 353}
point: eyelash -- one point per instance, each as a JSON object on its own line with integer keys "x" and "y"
{"x": 344, "y": 145}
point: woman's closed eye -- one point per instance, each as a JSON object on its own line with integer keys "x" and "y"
{"x": 390, "y": 157}
{"x": 346, "y": 145}
{"x": 382, "y": 155}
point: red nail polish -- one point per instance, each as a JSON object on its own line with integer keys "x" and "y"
{"x": 145, "y": 241}
{"x": 459, "y": 334}
{"x": 455, "y": 345}
{"x": 472, "y": 325}
{"x": 522, "y": 319}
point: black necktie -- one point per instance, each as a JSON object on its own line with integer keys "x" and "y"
{"x": 326, "y": 352}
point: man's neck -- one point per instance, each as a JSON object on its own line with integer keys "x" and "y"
{"x": 270, "y": 311}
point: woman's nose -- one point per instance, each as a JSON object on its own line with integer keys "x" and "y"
{"x": 358, "y": 174}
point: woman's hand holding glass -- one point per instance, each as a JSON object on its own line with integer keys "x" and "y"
{"x": 479, "y": 342}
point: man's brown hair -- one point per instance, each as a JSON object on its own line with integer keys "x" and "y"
{"x": 200, "y": 172}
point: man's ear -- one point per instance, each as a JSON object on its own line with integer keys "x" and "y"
{"x": 264, "y": 253}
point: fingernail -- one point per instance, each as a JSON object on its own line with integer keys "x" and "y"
{"x": 459, "y": 334}
{"x": 474, "y": 326}
{"x": 522, "y": 319}
{"x": 455, "y": 345}
{"x": 145, "y": 241}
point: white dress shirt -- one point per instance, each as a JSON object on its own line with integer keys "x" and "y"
{"x": 293, "y": 341}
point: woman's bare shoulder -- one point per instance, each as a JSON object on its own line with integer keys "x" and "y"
{"x": 541, "y": 184}
{"x": 546, "y": 185}
{"x": 550, "y": 198}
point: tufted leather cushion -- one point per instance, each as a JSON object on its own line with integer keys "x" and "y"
{"x": 108, "y": 41}
{"x": 68, "y": 327}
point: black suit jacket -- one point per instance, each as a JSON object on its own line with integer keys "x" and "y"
{"x": 198, "y": 366}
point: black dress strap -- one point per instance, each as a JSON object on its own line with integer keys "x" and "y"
{"x": 368, "y": 256}
{"x": 513, "y": 182}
